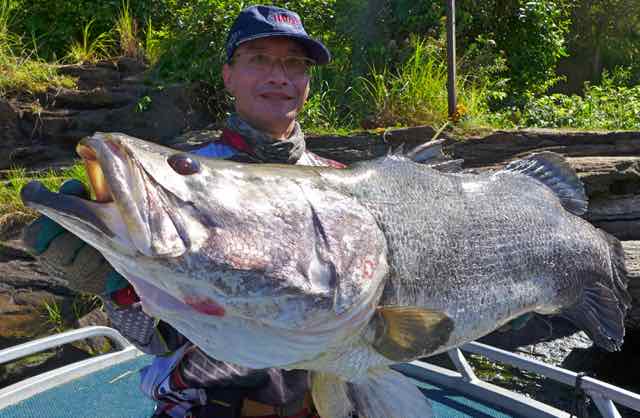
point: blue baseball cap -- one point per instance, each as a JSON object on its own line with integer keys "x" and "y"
{"x": 257, "y": 22}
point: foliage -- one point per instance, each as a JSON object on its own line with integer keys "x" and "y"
{"x": 612, "y": 105}
{"x": 52, "y": 311}
{"x": 24, "y": 75}
{"x": 56, "y": 23}
{"x": 60, "y": 318}
{"x": 606, "y": 33}
{"x": 88, "y": 49}
{"x": 152, "y": 43}
{"x": 508, "y": 51}
{"x": 531, "y": 35}
{"x": 127, "y": 29}
{"x": 323, "y": 113}
{"x": 20, "y": 71}
{"x": 7, "y": 39}
{"x": 143, "y": 104}
{"x": 415, "y": 93}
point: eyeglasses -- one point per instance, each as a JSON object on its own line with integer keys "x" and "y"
{"x": 294, "y": 67}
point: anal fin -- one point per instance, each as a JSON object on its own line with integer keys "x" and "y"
{"x": 384, "y": 393}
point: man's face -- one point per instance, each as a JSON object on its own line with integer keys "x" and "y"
{"x": 269, "y": 99}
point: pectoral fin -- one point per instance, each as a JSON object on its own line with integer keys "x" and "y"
{"x": 406, "y": 333}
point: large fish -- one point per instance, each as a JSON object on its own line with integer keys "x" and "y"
{"x": 344, "y": 272}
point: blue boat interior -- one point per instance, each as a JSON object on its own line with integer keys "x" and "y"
{"x": 113, "y": 393}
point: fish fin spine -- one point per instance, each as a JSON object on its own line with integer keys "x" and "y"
{"x": 554, "y": 171}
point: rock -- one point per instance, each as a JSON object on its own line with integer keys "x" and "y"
{"x": 24, "y": 289}
{"x": 366, "y": 146}
{"x": 504, "y": 145}
{"x": 613, "y": 187}
{"x": 618, "y": 175}
{"x": 96, "y": 317}
{"x": 38, "y": 157}
{"x": 96, "y": 98}
{"x": 9, "y": 129}
{"x": 90, "y": 77}
{"x": 130, "y": 66}
{"x": 168, "y": 113}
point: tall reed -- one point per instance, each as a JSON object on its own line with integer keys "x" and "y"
{"x": 415, "y": 92}
{"x": 90, "y": 49}
{"x": 127, "y": 30}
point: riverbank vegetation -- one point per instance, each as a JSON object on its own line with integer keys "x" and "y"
{"x": 537, "y": 63}
{"x": 15, "y": 179}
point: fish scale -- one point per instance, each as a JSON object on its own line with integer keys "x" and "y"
{"x": 487, "y": 231}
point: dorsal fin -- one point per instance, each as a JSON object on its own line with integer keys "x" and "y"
{"x": 552, "y": 170}
{"x": 428, "y": 152}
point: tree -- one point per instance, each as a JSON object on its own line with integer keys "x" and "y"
{"x": 606, "y": 30}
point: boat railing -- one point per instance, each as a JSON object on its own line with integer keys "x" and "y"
{"x": 463, "y": 378}
{"x": 603, "y": 394}
{"x": 26, "y": 388}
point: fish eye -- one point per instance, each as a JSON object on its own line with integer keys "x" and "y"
{"x": 183, "y": 164}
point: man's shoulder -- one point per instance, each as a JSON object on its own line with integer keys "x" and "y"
{"x": 215, "y": 149}
{"x": 205, "y": 143}
{"x": 313, "y": 159}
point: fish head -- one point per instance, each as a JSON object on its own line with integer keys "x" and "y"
{"x": 220, "y": 244}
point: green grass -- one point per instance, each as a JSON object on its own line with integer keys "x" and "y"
{"x": 90, "y": 49}
{"x": 25, "y": 75}
{"x": 17, "y": 178}
{"x": 127, "y": 29}
{"x": 152, "y": 43}
{"x": 21, "y": 71}
{"x": 416, "y": 92}
{"x": 52, "y": 313}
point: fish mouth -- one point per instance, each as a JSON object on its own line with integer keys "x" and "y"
{"x": 129, "y": 207}
{"x": 35, "y": 195}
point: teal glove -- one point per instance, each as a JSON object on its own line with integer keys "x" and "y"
{"x": 517, "y": 323}
{"x": 66, "y": 256}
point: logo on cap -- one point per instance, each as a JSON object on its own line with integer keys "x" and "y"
{"x": 280, "y": 19}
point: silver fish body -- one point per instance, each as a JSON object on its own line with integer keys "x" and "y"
{"x": 344, "y": 272}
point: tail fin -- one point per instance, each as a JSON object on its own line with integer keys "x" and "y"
{"x": 553, "y": 170}
{"x": 385, "y": 393}
{"x": 605, "y": 303}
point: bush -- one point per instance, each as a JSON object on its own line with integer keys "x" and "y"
{"x": 531, "y": 35}
{"x": 54, "y": 24}
{"x": 612, "y": 105}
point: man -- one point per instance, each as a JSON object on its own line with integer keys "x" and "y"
{"x": 269, "y": 56}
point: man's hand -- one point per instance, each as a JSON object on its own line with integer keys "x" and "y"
{"x": 65, "y": 255}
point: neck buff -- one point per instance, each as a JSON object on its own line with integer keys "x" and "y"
{"x": 266, "y": 149}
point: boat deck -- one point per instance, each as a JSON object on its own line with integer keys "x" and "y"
{"x": 106, "y": 386}
{"x": 113, "y": 393}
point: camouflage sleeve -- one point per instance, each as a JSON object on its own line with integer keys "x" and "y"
{"x": 146, "y": 333}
